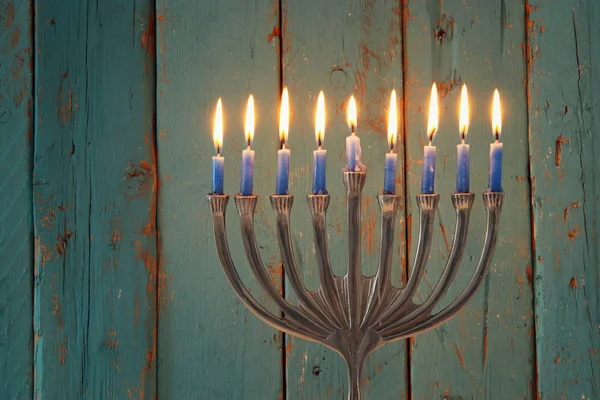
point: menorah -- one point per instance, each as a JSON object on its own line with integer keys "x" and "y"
{"x": 355, "y": 314}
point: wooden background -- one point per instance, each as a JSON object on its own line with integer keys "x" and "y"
{"x": 110, "y": 286}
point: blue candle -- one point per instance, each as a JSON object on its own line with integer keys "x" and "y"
{"x": 463, "y": 168}
{"x": 283, "y": 155}
{"x": 319, "y": 155}
{"x": 247, "y": 183}
{"x": 495, "y": 181}
{"x": 319, "y": 164}
{"x": 247, "y": 179}
{"x": 283, "y": 171}
{"x": 389, "y": 177}
{"x": 463, "y": 163}
{"x": 428, "y": 179}
{"x": 218, "y": 162}
{"x": 353, "y": 149}
{"x": 217, "y": 174}
{"x": 495, "y": 167}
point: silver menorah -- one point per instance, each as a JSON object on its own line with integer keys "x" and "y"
{"x": 355, "y": 314}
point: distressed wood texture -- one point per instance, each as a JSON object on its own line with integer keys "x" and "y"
{"x": 487, "y": 350}
{"x": 342, "y": 47}
{"x": 564, "y": 69}
{"x": 95, "y": 200}
{"x": 16, "y": 235}
{"x": 211, "y": 346}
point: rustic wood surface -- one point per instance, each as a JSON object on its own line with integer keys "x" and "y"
{"x": 110, "y": 286}
{"x": 16, "y": 234}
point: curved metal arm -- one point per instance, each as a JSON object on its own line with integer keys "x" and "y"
{"x": 318, "y": 205}
{"x": 354, "y": 181}
{"x": 493, "y": 203}
{"x": 427, "y": 205}
{"x": 282, "y": 205}
{"x": 462, "y": 204}
{"x": 388, "y": 205}
{"x": 218, "y": 205}
{"x": 246, "y": 206}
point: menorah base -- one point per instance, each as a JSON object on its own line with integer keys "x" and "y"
{"x": 355, "y": 314}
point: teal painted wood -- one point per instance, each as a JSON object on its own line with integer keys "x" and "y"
{"x": 487, "y": 350}
{"x": 564, "y": 68}
{"x": 342, "y": 48}
{"x": 16, "y": 236}
{"x": 95, "y": 200}
{"x": 211, "y": 347}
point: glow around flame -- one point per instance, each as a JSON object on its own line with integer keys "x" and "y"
{"x": 320, "y": 120}
{"x": 496, "y": 115}
{"x": 464, "y": 111}
{"x": 432, "y": 123}
{"x": 284, "y": 117}
{"x": 218, "y": 127}
{"x": 249, "y": 128}
{"x": 392, "y": 121}
{"x": 352, "y": 114}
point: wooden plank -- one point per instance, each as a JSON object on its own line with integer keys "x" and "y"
{"x": 488, "y": 348}
{"x": 210, "y": 345}
{"x": 16, "y": 236}
{"x": 564, "y": 68}
{"x": 342, "y": 47}
{"x": 95, "y": 200}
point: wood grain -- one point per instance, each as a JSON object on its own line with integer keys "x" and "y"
{"x": 487, "y": 350}
{"x": 343, "y": 48}
{"x": 210, "y": 345}
{"x": 16, "y": 235}
{"x": 95, "y": 200}
{"x": 564, "y": 68}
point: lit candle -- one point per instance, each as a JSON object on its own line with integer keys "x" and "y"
{"x": 391, "y": 158}
{"x": 353, "y": 149}
{"x": 283, "y": 155}
{"x": 218, "y": 161}
{"x": 462, "y": 149}
{"x": 496, "y": 147}
{"x": 319, "y": 155}
{"x": 247, "y": 183}
{"x": 428, "y": 181}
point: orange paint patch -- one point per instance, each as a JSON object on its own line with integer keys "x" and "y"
{"x": 275, "y": 33}
{"x": 460, "y": 357}
{"x": 575, "y": 232}
{"x": 573, "y": 283}
{"x": 149, "y": 36}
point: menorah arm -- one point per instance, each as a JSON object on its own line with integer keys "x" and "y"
{"x": 318, "y": 205}
{"x": 282, "y": 205}
{"x": 493, "y": 202}
{"x": 218, "y": 204}
{"x": 462, "y": 203}
{"x": 388, "y": 204}
{"x": 427, "y": 204}
{"x": 246, "y": 206}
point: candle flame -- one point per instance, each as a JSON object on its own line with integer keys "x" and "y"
{"x": 496, "y": 115}
{"x": 392, "y": 121}
{"x": 432, "y": 123}
{"x": 249, "y": 128}
{"x": 284, "y": 118}
{"x": 320, "y": 122}
{"x": 352, "y": 114}
{"x": 464, "y": 112}
{"x": 218, "y": 127}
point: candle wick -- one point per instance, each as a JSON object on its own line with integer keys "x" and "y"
{"x": 218, "y": 151}
{"x": 353, "y": 129}
{"x": 431, "y": 136}
{"x": 282, "y": 144}
{"x": 497, "y": 134}
{"x": 249, "y": 142}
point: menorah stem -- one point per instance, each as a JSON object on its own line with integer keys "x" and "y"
{"x": 354, "y": 182}
{"x": 355, "y": 378}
